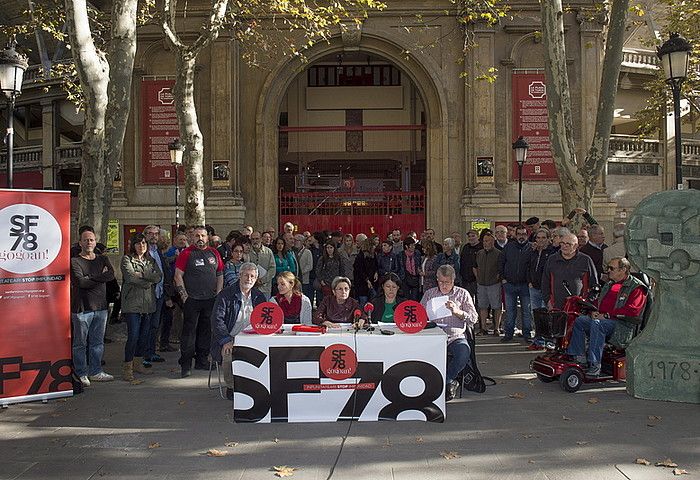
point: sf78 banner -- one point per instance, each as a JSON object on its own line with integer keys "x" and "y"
{"x": 331, "y": 377}
{"x": 35, "y": 348}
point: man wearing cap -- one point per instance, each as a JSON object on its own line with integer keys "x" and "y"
{"x": 532, "y": 224}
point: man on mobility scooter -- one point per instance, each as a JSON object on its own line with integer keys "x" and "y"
{"x": 624, "y": 305}
{"x": 623, "y": 297}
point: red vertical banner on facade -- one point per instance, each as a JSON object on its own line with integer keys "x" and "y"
{"x": 530, "y": 119}
{"x": 158, "y": 128}
{"x": 35, "y": 346}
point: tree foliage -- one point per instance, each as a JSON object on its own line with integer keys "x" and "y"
{"x": 682, "y": 17}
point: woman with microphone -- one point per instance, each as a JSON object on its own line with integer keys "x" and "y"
{"x": 385, "y": 303}
{"x": 339, "y": 307}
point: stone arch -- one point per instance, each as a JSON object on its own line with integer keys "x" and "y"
{"x": 425, "y": 75}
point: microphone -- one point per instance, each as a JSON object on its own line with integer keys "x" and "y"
{"x": 356, "y": 318}
{"x": 369, "y": 308}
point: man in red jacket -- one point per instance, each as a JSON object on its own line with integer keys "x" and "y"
{"x": 622, "y": 295}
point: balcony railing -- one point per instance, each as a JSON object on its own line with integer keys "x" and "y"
{"x": 630, "y": 146}
{"x": 30, "y": 158}
{"x": 633, "y": 58}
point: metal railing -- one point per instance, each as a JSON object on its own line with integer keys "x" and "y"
{"x": 351, "y": 203}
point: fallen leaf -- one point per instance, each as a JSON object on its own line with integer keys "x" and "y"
{"x": 276, "y": 440}
{"x": 62, "y": 400}
{"x": 449, "y": 455}
{"x": 154, "y": 445}
{"x": 642, "y": 461}
{"x": 283, "y": 471}
{"x": 593, "y": 400}
{"x": 654, "y": 418}
{"x": 230, "y": 444}
{"x": 181, "y": 402}
{"x": 582, "y": 443}
{"x": 668, "y": 463}
{"x": 530, "y": 461}
{"x": 651, "y": 424}
{"x": 527, "y": 435}
{"x": 517, "y": 395}
{"x": 387, "y": 444}
{"x": 136, "y": 382}
{"x": 612, "y": 410}
{"x": 419, "y": 439}
{"x": 216, "y": 453}
{"x": 565, "y": 418}
{"x": 680, "y": 471}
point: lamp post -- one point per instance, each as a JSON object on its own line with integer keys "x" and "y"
{"x": 12, "y": 67}
{"x": 176, "y": 150}
{"x": 520, "y": 146}
{"x": 675, "y": 56}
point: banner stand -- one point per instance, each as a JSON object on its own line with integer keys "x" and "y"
{"x": 35, "y": 326}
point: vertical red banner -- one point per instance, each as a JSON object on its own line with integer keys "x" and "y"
{"x": 530, "y": 119}
{"x": 35, "y": 345}
{"x": 159, "y": 127}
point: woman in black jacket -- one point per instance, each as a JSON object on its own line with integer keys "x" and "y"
{"x": 385, "y": 303}
{"x": 365, "y": 272}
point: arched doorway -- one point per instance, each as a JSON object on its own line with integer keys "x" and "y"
{"x": 352, "y": 147}
{"x": 423, "y": 74}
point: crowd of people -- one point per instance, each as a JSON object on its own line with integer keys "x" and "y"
{"x": 214, "y": 283}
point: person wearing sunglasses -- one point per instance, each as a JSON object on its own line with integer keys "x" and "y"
{"x": 624, "y": 295}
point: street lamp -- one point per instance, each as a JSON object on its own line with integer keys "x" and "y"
{"x": 176, "y": 149}
{"x": 12, "y": 67}
{"x": 520, "y": 146}
{"x": 675, "y": 56}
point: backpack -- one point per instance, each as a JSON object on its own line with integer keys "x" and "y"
{"x": 472, "y": 379}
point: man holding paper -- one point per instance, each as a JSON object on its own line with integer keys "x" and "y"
{"x": 451, "y": 307}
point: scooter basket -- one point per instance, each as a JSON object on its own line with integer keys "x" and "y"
{"x": 549, "y": 323}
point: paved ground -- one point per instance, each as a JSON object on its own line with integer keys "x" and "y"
{"x": 596, "y": 433}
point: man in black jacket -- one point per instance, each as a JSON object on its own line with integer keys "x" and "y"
{"x": 467, "y": 262}
{"x": 513, "y": 272}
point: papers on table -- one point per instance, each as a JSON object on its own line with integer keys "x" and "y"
{"x": 437, "y": 309}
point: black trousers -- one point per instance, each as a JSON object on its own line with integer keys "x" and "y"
{"x": 196, "y": 332}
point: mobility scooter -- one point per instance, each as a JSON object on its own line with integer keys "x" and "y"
{"x": 556, "y": 327}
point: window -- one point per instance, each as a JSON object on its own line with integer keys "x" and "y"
{"x": 353, "y": 75}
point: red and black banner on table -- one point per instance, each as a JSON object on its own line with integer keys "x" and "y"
{"x": 35, "y": 347}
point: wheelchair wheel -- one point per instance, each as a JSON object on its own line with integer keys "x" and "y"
{"x": 571, "y": 380}
{"x": 545, "y": 379}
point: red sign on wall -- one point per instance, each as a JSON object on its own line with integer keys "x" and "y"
{"x": 159, "y": 127}
{"x": 530, "y": 119}
{"x": 35, "y": 346}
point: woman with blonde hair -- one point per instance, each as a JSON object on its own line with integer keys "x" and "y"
{"x": 295, "y": 305}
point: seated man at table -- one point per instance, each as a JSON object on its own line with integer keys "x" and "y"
{"x": 230, "y": 315}
{"x": 462, "y": 316}
{"x": 622, "y": 295}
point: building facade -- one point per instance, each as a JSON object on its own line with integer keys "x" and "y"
{"x": 393, "y": 122}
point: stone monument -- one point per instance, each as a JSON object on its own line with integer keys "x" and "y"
{"x": 663, "y": 240}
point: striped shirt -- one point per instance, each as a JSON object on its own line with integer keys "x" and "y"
{"x": 455, "y": 326}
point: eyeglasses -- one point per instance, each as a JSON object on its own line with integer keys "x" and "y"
{"x": 610, "y": 268}
{"x": 570, "y": 244}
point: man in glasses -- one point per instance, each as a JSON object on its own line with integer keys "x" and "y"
{"x": 622, "y": 295}
{"x": 570, "y": 266}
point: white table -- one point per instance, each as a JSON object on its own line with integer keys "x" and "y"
{"x": 278, "y": 378}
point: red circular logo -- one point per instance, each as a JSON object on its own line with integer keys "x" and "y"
{"x": 410, "y": 316}
{"x": 266, "y": 318}
{"x": 338, "y": 361}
